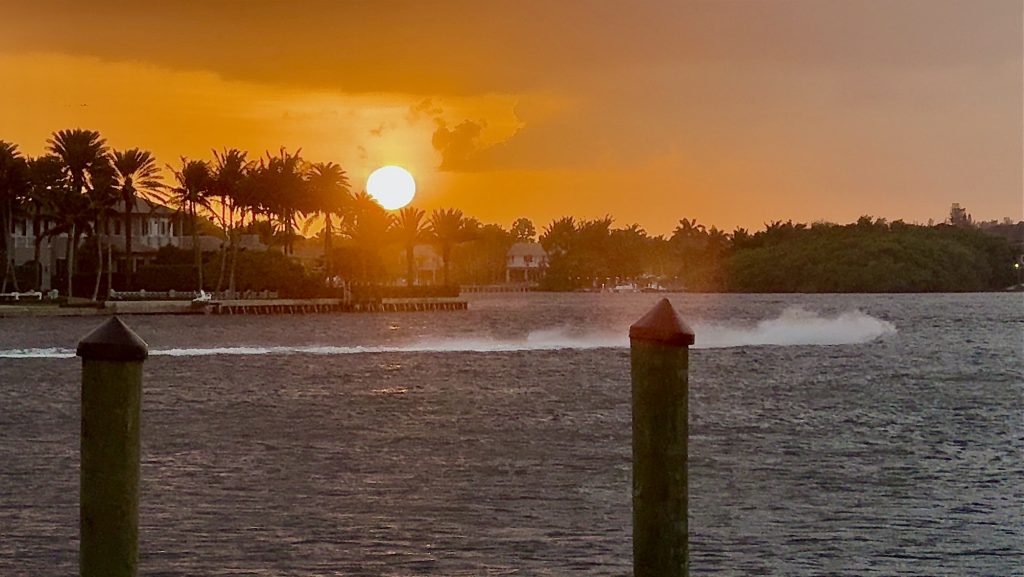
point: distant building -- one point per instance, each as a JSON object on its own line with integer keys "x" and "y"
{"x": 428, "y": 264}
{"x": 525, "y": 262}
{"x": 154, "y": 226}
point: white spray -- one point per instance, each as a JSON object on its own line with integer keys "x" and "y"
{"x": 795, "y": 326}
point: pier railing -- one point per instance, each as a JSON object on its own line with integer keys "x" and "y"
{"x": 172, "y": 295}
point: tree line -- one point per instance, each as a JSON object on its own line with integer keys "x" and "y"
{"x": 869, "y": 255}
{"x": 76, "y": 186}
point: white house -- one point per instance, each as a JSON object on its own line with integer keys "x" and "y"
{"x": 154, "y": 226}
{"x": 428, "y": 264}
{"x": 525, "y": 262}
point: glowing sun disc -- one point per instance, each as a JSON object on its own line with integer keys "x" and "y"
{"x": 392, "y": 186}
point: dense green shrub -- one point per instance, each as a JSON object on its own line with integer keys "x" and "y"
{"x": 859, "y": 258}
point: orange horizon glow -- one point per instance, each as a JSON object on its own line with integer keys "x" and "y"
{"x": 736, "y": 114}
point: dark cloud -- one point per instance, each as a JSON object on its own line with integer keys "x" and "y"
{"x": 471, "y": 47}
{"x": 460, "y": 147}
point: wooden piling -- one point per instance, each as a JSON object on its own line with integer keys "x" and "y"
{"x": 659, "y": 349}
{"x": 112, "y": 357}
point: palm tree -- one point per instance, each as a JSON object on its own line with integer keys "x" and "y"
{"x": 284, "y": 191}
{"x": 688, "y": 229}
{"x": 103, "y": 195}
{"x": 81, "y": 151}
{"x": 14, "y": 190}
{"x": 592, "y": 239}
{"x": 49, "y": 183}
{"x": 369, "y": 226}
{"x": 231, "y": 184}
{"x": 448, "y": 228}
{"x": 559, "y": 236}
{"x": 329, "y": 188}
{"x": 72, "y": 219}
{"x": 412, "y": 229}
{"x": 138, "y": 177}
{"x": 192, "y": 193}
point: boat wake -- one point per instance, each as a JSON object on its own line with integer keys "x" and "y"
{"x": 794, "y": 326}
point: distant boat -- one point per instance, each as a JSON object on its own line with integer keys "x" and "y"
{"x": 203, "y": 298}
{"x": 625, "y": 288}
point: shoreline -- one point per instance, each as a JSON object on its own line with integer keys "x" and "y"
{"x": 235, "y": 307}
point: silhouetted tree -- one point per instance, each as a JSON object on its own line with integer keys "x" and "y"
{"x": 559, "y": 240}
{"x": 411, "y": 227}
{"x": 49, "y": 184}
{"x": 448, "y": 228}
{"x": 15, "y": 186}
{"x": 523, "y": 231}
{"x": 103, "y": 194}
{"x": 628, "y": 252}
{"x": 369, "y": 228}
{"x": 191, "y": 194}
{"x": 559, "y": 235}
{"x": 138, "y": 177}
{"x": 284, "y": 192}
{"x": 483, "y": 258}
{"x": 81, "y": 151}
{"x": 328, "y": 185}
{"x": 231, "y": 184}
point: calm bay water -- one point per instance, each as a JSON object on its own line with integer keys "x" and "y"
{"x": 829, "y": 435}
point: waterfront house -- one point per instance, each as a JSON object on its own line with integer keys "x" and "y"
{"x": 526, "y": 262}
{"x": 428, "y": 264}
{"x": 154, "y": 226}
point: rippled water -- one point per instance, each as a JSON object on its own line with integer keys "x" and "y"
{"x": 838, "y": 435}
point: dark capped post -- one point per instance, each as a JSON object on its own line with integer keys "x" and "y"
{"x": 112, "y": 357}
{"x": 659, "y": 349}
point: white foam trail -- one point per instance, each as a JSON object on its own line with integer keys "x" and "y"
{"x": 50, "y": 353}
{"x": 795, "y": 326}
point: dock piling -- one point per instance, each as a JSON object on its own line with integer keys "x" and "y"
{"x": 112, "y": 357}
{"x": 659, "y": 351}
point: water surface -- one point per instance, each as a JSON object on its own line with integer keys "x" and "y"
{"x": 830, "y": 434}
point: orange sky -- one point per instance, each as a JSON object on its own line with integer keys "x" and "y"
{"x": 732, "y": 112}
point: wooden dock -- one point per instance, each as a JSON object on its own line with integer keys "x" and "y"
{"x": 313, "y": 306}
{"x": 240, "y": 307}
{"x": 499, "y": 288}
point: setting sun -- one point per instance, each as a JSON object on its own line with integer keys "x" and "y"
{"x": 392, "y": 186}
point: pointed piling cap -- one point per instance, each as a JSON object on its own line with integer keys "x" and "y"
{"x": 662, "y": 325}
{"x": 113, "y": 341}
